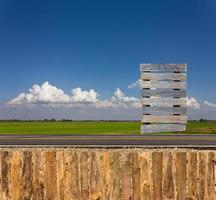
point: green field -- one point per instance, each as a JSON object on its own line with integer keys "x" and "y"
{"x": 92, "y": 127}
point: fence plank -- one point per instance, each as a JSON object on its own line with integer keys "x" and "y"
{"x": 163, "y": 93}
{"x": 164, "y": 102}
{"x": 157, "y": 128}
{"x": 145, "y": 173}
{"x": 163, "y": 67}
{"x": 126, "y": 176}
{"x": 180, "y": 179}
{"x": 168, "y": 180}
{"x": 116, "y": 176}
{"x": 163, "y": 76}
{"x": 163, "y": 84}
{"x": 164, "y": 110}
{"x": 192, "y": 176}
{"x": 164, "y": 119}
{"x": 157, "y": 168}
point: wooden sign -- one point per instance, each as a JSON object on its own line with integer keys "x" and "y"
{"x": 163, "y": 99}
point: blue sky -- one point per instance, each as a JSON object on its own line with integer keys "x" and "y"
{"x": 99, "y": 45}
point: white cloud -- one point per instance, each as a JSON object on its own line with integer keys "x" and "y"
{"x": 193, "y": 103}
{"x": 135, "y": 84}
{"x": 212, "y": 105}
{"x": 50, "y": 95}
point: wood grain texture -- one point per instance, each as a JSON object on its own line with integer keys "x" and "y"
{"x": 163, "y": 67}
{"x": 163, "y": 93}
{"x": 158, "y": 128}
{"x": 163, "y": 76}
{"x": 164, "y": 110}
{"x": 164, "y": 102}
{"x": 164, "y": 119}
{"x": 107, "y": 174}
{"x": 163, "y": 84}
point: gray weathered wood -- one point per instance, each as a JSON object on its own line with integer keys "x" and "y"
{"x": 164, "y": 119}
{"x": 164, "y": 102}
{"x": 156, "y": 128}
{"x": 164, "y": 110}
{"x": 163, "y": 93}
{"x": 163, "y": 84}
{"x": 163, "y": 67}
{"x": 163, "y": 76}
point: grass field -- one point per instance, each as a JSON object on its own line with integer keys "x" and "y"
{"x": 92, "y": 127}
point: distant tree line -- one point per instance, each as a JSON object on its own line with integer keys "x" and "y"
{"x": 66, "y": 120}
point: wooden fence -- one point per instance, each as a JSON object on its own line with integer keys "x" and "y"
{"x": 163, "y": 97}
{"x": 124, "y": 174}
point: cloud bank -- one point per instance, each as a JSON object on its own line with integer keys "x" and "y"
{"x": 49, "y": 95}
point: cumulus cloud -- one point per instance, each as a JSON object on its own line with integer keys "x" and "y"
{"x": 193, "y": 103}
{"x": 135, "y": 84}
{"x": 50, "y": 95}
{"x": 209, "y": 104}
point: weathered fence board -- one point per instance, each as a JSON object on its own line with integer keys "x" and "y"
{"x": 163, "y": 76}
{"x": 164, "y": 119}
{"x": 164, "y": 110}
{"x": 163, "y": 84}
{"x": 105, "y": 174}
{"x": 163, "y": 91}
{"x": 152, "y": 128}
{"x": 163, "y": 67}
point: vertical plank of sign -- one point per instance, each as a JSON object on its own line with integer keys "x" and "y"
{"x": 192, "y": 175}
{"x": 27, "y": 174}
{"x": 67, "y": 174}
{"x": 168, "y": 182}
{"x": 95, "y": 176}
{"x": 60, "y": 174}
{"x": 50, "y": 175}
{"x": 126, "y": 176}
{"x": 202, "y": 157}
{"x": 146, "y": 182}
{"x": 157, "y": 168}
{"x": 180, "y": 175}
{"x": 85, "y": 174}
{"x": 38, "y": 175}
{"x": 5, "y": 160}
{"x": 210, "y": 187}
{"x": 16, "y": 175}
{"x": 136, "y": 191}
{"x": 107, "y": 176}
{"x": 116, "y": 175}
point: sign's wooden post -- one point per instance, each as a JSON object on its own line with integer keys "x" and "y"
{"x": 164, "y": 99}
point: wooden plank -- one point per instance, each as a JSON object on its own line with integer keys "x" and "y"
{"x": 85, "y": 174}
{"x": 164, "y": 110}
{"x": 157, "y": 128}
{"x": 107, "y": 176}
{"x": 211, "y": 181}
{"x": 163, "y": 67}
{"x": 163, "y": 84}
{"x": 16, "y": 176}
{"x": 126, "y": 176}
{"x": 136, "y": 191}
{"x": 168, "y": 180}
{"x": 180, "y": 175}
{"x": 51, "y": 176}
{"x": 157, "y": 168}
{"x": 202, "y": 159}
{"x": 163, "y": 76}
{"x": 164, "y": 119}
{"x": 164, "y": 102}
{"x": 163, "y": 93}
{"x": 5, "y": 162}
{"x": 192, "y": 176}
{"x": 116, "y": 176}
{"x": 38, "y": 175}
{"x": 145, "y": 175}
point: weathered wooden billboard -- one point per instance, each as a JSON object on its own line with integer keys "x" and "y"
{"x": 164, "y": 102}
